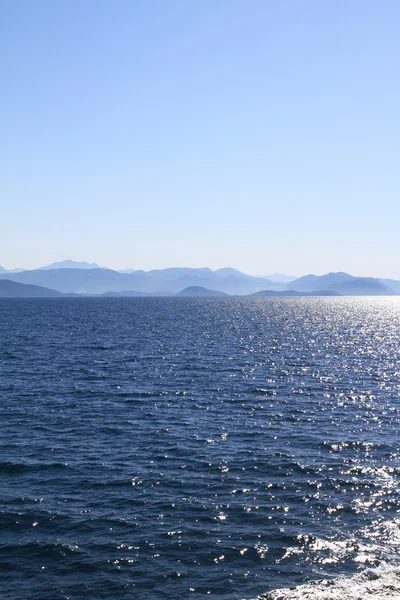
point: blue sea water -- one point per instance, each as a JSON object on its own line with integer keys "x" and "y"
{"x": 193, "y": 448}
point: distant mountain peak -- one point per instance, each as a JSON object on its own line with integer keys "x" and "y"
{"x": 343, "y": 283}
{"x": 71, "y": 264}
{"x": 280, "y": 278}
{"x": 312, "y": 282}
{"x": 227, "y": 271}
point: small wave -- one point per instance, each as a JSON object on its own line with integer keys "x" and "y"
{"x": 41, "y": 549}
{"x": 263, "y": 391}
{"x": 11, "y": 468}
{"x": 353, "y": 445}
{"x": 151, "y": 394}
{"x": 382, "y": 583}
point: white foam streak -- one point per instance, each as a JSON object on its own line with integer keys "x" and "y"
{"x": 382, "y": 583}
{"x": 379, "y": 543}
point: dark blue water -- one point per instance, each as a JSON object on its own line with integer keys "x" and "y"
{"x": 179, "y": 448}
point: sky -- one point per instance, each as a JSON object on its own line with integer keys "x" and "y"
{"x": 255, "y": 134}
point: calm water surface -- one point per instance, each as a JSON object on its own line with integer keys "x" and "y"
{"x": 195, "y": 448}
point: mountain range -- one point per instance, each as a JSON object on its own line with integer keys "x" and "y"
{"x": 98, "y": 281}
{"x": 89, "y": 278}
{"x": 73, "y": 264}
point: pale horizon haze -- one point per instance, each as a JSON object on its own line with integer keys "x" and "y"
{"x": 149, "y": 134}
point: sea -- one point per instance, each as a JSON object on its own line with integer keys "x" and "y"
{"x": 178, "y": 448}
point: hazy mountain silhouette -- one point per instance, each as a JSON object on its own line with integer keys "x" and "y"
{"x": 311, "y": 283}
{"x": 280, "y": 278}
{"x": 124, "y": 294}
{"x": 3, "y": 270}
{"x": 71, "y": 264}
{"x": 12, "y": 289}
{"x": 363, "y": 286}
{"x": 343, "y": 283}
{"x": 173, "y": 280}
{"x": 228, "y": 271}
{"x": 97, "y": 281}
{"x": 198, "y": 291}
{"x": 236, "y": 285}
{"x": 288, "y": 293}
{"x": 174, "y": 273}
{"x": 392, "y": 284}
{"x": 86, "y": 281}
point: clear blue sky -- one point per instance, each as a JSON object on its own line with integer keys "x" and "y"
{"x": 259, "y": 134}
